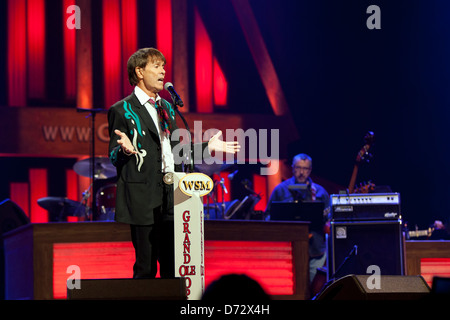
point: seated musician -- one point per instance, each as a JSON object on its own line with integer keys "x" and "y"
{"x": 285, "y": 191}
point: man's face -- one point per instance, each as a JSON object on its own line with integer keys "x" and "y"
{"x": 301, "y": 170}
{"x": 152, "y": 77}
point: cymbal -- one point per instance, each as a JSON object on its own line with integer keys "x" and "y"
{"x": 210, "y": 169}
{"x": 61, "y": 205}
{"x": 52, "y": 203}
{"x": 103, "y": 168}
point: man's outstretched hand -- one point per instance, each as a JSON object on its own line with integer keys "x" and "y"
{"x": 215, "y": 144}
{"x": 125, "y": 143}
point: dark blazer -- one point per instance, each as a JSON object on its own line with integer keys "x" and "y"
{"x": 139, "y": 177}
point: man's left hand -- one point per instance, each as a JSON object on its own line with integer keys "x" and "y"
{"x": 215, "y": 144}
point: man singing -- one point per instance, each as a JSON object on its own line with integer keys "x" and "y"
{"x": 140, "y": 148}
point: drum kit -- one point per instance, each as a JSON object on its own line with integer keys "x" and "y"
{"x": 98, "y": 168}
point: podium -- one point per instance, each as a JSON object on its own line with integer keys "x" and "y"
{"x": 189, "y": 230}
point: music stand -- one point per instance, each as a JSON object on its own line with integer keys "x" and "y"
{"x": 311, "y": 211}
{"x": 242, "y": 209}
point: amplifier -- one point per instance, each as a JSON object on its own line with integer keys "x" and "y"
{"x": 354, "y": 246}
{"x": 365, "y": 206}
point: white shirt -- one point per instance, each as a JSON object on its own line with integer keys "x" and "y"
{"x": 167, "y": 163}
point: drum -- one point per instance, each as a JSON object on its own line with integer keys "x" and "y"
{"x": 106, "y": 202}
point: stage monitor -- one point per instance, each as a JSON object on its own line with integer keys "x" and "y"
{"x": 11, "y": 216}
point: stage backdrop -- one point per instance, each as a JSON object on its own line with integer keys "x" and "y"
{"x": 335, "y": 77}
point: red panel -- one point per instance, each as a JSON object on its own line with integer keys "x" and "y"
{"x": 431, "y": 267}
{"x": 20, "y": 195}
{"x": 72, "y": 185}
{"x": 203, "y": 67}
{"x": 69, "y": 42}
{"x": 220, "y": 85}
{"x": 129, "y": 38}
{"x": 112, "y": 49}
{"x": 260, "y": 187}
{"x": 17, "y": 50}
{"x": 38, "y": 189}
{"x": 96, "y": 260}
{"x": 36, "y": 48}
{"x": 164, "y": 33}
{"x": 269, "y": 263}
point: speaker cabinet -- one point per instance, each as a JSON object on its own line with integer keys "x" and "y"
{"x": 11, "y": 216}
{"x": 354, "y": 246}
{"x": 129, "y": 289}
{"x": 355, "y": 287}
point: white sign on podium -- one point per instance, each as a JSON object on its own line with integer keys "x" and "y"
{"x": 189, "y": 230}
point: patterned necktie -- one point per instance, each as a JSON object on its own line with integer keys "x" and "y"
{"x": 313, "y": 192}
{"x": 163, "y": 116}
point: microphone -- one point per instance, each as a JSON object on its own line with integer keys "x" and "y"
{"x": 223, "y": 185}
{"x": 175, "y": 97}
{"x": 231, "y": 175}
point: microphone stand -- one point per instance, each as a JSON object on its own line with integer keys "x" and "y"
{"x": 224, "y": 190}
{"x": 93, "y": 113}
{"x": 352, "y": 252}
{"x": 86, "y": 194}
{"x": 189, "y": 158}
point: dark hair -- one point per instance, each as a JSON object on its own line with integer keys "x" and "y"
{"x": 140, "y": 59}
{"x": 301, "y": 156}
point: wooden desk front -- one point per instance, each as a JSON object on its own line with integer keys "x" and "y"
{"x": 29, "y": 250}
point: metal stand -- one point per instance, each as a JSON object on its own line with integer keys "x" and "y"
{"x": 92, "y": 114}
{"x": 188, "y": 164}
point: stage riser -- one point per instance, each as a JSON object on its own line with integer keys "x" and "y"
{"x": 38, "y": 255}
